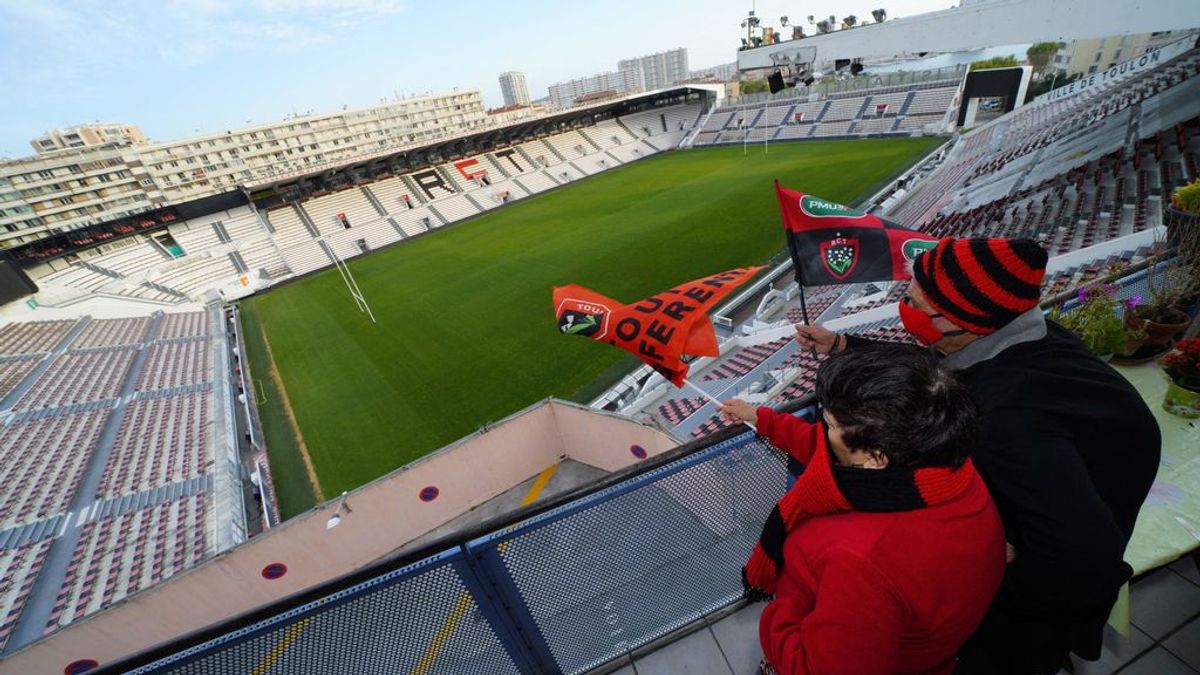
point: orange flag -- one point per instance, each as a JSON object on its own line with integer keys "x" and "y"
{"x": 659, "y": 330}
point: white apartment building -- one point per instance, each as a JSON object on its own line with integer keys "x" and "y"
{"x": 661, "y": 70}
{"x": 563, "y": 94}
{"x": 1087, "y": 57}
{"x": 513, "y": 88}
{"x": 88, "y": 135}
{"x": 62, "y": 190}
{"x": 725, "y": 72}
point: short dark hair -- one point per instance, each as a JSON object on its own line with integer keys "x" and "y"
{"x": 898, "y": 400}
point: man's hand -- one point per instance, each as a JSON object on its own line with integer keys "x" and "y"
{"x": 737, "y": 410}
{"x": 816, "y": 337}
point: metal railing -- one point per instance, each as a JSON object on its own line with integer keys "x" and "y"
{"x": 558, "y": 587}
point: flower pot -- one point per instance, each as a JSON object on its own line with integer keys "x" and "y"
{"x": 1181, "y": 402}
{"x": 1189, "y": 305}
{"x": 1177, "y": 221}
{"x": 1160, "y": 331}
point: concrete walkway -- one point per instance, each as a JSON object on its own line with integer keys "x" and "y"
{"x": 1165, "y": 638}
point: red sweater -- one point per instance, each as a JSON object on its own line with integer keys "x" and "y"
{"x": 863, "y": 593}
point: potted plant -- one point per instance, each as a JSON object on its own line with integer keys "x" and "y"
{"x": 1096, "y": 321}
{"x": 1182, "y": 218}
{"x": 1182, "y": 367}
{"x": 1185, "y": 206}
{"x": 1171, "y": 285}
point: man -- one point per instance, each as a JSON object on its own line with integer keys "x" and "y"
{"x": 1069, "y": 448}
{"x": 884, "y": 556}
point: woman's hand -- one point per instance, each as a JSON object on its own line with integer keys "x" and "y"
{"x": 816, "y": 337}
{"x": 737, "y": 410}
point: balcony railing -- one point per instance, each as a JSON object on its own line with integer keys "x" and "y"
{"x": 557, "y": 587}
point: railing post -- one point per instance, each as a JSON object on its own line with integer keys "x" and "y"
{"x": 486, "y": 577}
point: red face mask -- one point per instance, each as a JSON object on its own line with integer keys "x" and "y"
{"x": 920, "y": 325}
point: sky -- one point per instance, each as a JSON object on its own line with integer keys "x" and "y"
{"x": 181, "y": 67}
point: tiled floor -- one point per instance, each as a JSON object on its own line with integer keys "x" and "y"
{"x": 1165, "y": 607}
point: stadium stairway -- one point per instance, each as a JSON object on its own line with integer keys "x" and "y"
{"x": 366, "y": 190}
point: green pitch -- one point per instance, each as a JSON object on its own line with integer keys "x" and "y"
{"x": 466, "y": 331}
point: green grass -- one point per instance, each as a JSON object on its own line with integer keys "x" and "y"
{"x": 292, "y": 486}
{"x": 466, "y": 332}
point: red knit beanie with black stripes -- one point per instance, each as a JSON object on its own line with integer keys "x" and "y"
{"x": 981, "y": 284}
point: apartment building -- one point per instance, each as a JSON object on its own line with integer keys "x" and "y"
{"x": 660, "y": 70}
{"x": 61, "y": 190}
{"x": 88, "y": 135}
{"x": 514, "y": 89}
{"x": 1086, "y": 57}
{"x": 563, "y": 94}
{"x": 58, "y": 191}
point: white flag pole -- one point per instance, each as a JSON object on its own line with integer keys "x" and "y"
{"x": 765, "y": 136}
{"x": 713, "y": 400}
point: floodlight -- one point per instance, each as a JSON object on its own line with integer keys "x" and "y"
{"x": 850, "y": 21}
{"x": 880, "y": 15}
{"x": 336, "y": 518}
{"x": 783, "y": 21}
{"x": 823, "y": 26}
{"x": 810, "y": 18}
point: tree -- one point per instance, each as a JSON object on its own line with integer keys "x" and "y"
{"x": 753, "y": 86}
{"x": 1009, "y": 61}
{"x": 1039, "y": 55}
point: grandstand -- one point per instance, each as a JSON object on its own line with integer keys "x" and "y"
{"x": 114, "y": 475}
{"x": 898, "y": 110}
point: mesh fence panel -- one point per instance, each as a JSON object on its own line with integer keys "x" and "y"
{"x": 599, "y": 576}
{"x": 421, "y": 622}
{"x": 631, "y": 565}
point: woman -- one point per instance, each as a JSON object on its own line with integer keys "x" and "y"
{"x": 885, "y": 554}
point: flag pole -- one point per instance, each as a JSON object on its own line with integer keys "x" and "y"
{"x": 799, "y": 272}
{"x": 713, "y": 400}
{"x": 765, "y": 136}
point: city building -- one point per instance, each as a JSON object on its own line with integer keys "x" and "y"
{"x": 1086, "y": 57}
{"x": 514, "y": 89}
{"x": 60, "y": 190}
{"x": 660, "y": 70}
{"x": 88, "y": 135}
{"x": 513, "y": 113}
{"x": 722, "y": 73}
{"x": 56, "y": 191}
{"x": 563, "y": 94}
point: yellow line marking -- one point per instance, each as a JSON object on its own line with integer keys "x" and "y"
{"x": 289, "y": 636}
{"x": 465, "y": 601}
{"x": 539, "y": 485}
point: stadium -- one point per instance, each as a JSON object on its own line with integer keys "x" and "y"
{"x": 290, "y": 416}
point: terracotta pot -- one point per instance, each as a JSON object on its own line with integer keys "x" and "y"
{"x": 1158, "y": 333}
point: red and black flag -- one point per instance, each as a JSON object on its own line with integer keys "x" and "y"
{"x": 659, "y": 330}
{"x": 835, "y": 244}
